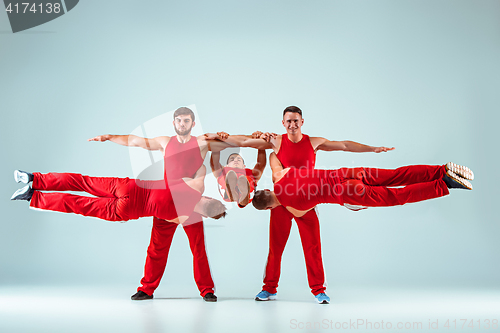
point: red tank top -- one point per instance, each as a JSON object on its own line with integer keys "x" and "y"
{"x": 296, "y": 155}
{"x": 239, "y": 172}
{"x": 151, "y": 198}
{"x": 303, "y": 189}
{"x": 182, "y": 159}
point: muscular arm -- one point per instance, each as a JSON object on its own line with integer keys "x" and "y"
{"x": 215, "y": 164}
{"x": 355, "y": 147}
{"x": 158, "y": 143}
{"x": 275, "y": 165}
{"x": 245, "y": 141}
{"x": 258, "y": 169}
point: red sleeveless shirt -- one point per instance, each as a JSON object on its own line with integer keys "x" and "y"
{"x": 182, "y": 159}
{"x": 303, "y": 189}
{"x": 296, "y": 155}
{"x": 151, "y": 198}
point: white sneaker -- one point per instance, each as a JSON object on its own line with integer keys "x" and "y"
{"x": 23, "y": 176}
{"x": 460, "y": 170}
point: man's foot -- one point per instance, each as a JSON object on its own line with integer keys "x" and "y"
{"x": 24, "y": 193}
{"x": 244, "y": 187}
{"x": 140, "y": 296}
{"x": 231, "y": 183}
{"x": 266, "y": 296}
{"x": 454, "y": 181}
{"x": 210, "y": 297}
{"x": 322, "y": 298}
{"x": 460, "y": 170}
{"x": 23, "y": 176}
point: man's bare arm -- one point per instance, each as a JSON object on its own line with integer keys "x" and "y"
{"x": 351, "y": 146}
{"x": 215, "y": 163}
{"x": 259, "y": 167}
{"x": 158, "y": 143}
{"x": 245, "y": 141}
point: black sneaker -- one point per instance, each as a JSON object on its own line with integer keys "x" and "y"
{"x": 23, "y": 176}
{"x": 24, "y": 193}
{"x": 210, "y": 297}
{"x": 454, "y": 181}
{"x": 140, "y": 296}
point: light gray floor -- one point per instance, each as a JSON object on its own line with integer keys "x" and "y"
{"x": 104, "y": 309}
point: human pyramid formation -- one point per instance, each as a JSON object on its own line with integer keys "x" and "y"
{"x": 298, "y": 188}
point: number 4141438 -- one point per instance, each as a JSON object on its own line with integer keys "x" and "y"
{"x": 34, "y": 8}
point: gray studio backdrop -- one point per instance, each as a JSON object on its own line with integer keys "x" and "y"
{"x": 422, "y": 76}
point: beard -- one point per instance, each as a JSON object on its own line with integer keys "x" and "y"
{"x": 185, "y": 132}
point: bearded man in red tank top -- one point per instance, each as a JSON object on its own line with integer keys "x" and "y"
{"x": 183, "y": 155}
{"x": 296, "y": 150}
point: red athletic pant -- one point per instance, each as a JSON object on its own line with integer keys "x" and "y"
{"x": 111, "y": 202}
{"x": 371, "y": 187}
{"x": 159, "y": 246}
{"x": 280, "y": 225}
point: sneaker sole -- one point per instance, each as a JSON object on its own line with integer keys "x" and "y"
{"x": 270, "y": 298}
{"x": 460, "y": 170}
{"x": 244, "y": 187}
{"x": 231, "y": 183}
{"x": 20, "y": 192}
{"x": 323, "y": 302}
{"x": 460, "y": 180}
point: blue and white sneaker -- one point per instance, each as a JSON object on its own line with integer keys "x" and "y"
{"x": 24, "y": 193}
{"x": 322, "y": 298}
{"x": 266, "y": 296}
{"x": 23, "y": 176}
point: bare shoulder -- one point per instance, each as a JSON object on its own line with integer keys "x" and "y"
{"x": 162, "y": 140}
{"x": 316, "y": 141}
{"x": 276, "y": 142}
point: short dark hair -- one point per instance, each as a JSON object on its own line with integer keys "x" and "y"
{"x": 184, "y": 111}
{"x": 227, "y": 161}
{"x": 293, "y": 109}
{"x": 216, "y": 209}
{"x": 261, "y": 199}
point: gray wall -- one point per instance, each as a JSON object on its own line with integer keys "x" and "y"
{"x": 422, "y": 76}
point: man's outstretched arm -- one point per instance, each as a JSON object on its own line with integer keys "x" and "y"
{"x": 355, "y": 147}
{"x": 158, "y": 143}
{"x": 245, "y": 141}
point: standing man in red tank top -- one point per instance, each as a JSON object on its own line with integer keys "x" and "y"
{"x": 184, "y": 155}
{"x": 296, "y": 150}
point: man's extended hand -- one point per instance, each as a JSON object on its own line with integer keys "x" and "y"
{"x": 100, "y": 138}
{"x": 222, "y": 135}
{"x": 382, "y": 149}
{"x": 268, "y": 136}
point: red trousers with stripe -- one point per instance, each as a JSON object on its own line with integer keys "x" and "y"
{"x": 159, "y": 246}
{"x": 371, "y": 187}
{"x": 308, "y": 225}
{"x": 111, "y": 203}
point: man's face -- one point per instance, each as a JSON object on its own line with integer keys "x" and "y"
{"x": 183, "y": 124}
{"x": 292, "y": 122}
{"x": 235, "y": 161}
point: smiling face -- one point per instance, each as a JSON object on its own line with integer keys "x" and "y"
{"x": 183, "y": 124}
{"x": 235, "y": 161}
{"x": 292, "y": 121}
